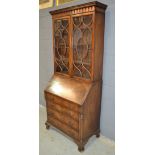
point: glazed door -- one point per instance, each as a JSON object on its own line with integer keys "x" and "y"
{"x": 61, "y": 45}
{"x": 82, "y": 45}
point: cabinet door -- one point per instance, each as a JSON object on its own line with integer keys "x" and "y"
{"x": 82, "y": 46}
{"x": 61, "y": 45}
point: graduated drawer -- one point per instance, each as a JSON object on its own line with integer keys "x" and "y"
{"x": 63, "y": 127}
{"x": 62, "y": 102}
{"x": 63, "y": 118}
{"x": 64, "y": 111}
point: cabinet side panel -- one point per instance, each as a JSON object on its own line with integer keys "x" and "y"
{"x": 92, "y": 108}
{"x": 99, "y": 45}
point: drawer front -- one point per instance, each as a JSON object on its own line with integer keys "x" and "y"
{"x": 63, "y": 118}
{"x": 64, "y": 103}
{"x": 64, "y": 111}
{"x": 63, "y": 127}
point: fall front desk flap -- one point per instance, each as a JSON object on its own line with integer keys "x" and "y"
{"x": 68, "y": 88}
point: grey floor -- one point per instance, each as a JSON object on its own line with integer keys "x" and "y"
{"x": 52, "y": 142}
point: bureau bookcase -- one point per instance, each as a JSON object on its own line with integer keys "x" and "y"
{"x": 73, "y": 95}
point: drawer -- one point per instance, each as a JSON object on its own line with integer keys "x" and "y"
{"x": 65, "y": 119}
{"x": 66, "y": 104}
{"x": 63, "y": 127}
{"x": 67, "y": 112}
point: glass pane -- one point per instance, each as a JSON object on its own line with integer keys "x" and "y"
{"x": 61, "y": 45}
{"x": 82, "y": 46}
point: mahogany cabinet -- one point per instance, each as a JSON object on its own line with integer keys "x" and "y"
{"x": 73, "y": 95}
